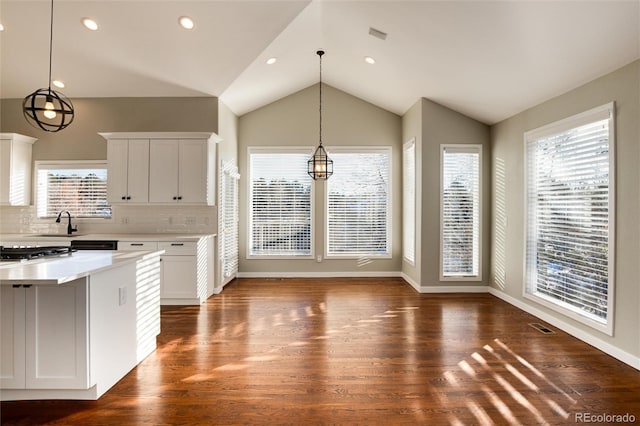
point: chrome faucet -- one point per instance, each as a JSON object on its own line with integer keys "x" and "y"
{"x": 70, "y": 229}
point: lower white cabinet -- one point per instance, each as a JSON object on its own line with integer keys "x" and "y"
{"x": 45, "y": 336}
{"x": 187, "y": 274}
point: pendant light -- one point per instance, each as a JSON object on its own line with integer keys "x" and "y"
{"x": 47, "y": 109}
{"x": 320, "y": 166}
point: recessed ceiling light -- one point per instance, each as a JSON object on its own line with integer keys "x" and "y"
{"x": 272, "y": 61}
{"x": 369, "y": 60}
{"x": 186, "y": 23}
{"x": 90, "y": 24}
{"x": 58, "y": 83}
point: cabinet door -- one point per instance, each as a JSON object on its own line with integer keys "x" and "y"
{"x": 117, "y": 164}
{"x": 138, "y": 171}
{"x": 57, "y": 343}
{"x": 192, "y": 170}
{"x": 163, "y": 170}
{"x": 178, "y": 277}
{"x": 12, "y": 341}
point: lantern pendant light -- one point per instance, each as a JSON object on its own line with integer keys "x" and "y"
{"x": 320, "y": 166}
{"x": 47, "y": 109}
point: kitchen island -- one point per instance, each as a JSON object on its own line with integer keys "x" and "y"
{"x": 72, "y": 326}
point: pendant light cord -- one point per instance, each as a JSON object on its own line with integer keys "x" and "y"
{"x": 50, "y": 45}
{"x": 320, "y": 53}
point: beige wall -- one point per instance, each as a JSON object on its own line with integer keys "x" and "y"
{"x": 441, "y": 125}
{"x": 623, "y": 87}
{"x": 347, "y": 121}
{"x": 80, "y": 141}
{"x": 228, "y": 131}
{"x": 412, "y": 129}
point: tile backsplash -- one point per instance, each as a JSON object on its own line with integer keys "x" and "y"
{"x": 125, "y": 219}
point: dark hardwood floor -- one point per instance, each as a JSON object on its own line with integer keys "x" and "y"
{"x": 353, "y": 351}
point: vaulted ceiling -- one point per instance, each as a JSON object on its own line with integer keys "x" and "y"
{"x": 486, "y": 59}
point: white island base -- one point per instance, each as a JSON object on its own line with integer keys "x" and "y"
{"x": 72, "y": 327}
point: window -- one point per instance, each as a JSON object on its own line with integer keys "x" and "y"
{"x": 359, "y": 203}
{"x": 280, "y": 195}
{"x": 80, "y": 187}
{"x": 409, "y": 201}
{"x": 460, "y": 218}
{"x": 228, "y": 220}
{"x": 569, "y": 216}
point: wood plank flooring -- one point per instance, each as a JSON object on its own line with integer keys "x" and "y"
{"x": 353, "y": 351}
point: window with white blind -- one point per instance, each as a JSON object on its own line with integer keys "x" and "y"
{"x": 460, "y": 212}
{"x": 359, "y": 203}
{"x": 569, "y": 216}
{"x": 77, "y": 186}
{"x": 409, "y": 201}
{"x": 280, "y": 201}
{"x": 228, "y": 221}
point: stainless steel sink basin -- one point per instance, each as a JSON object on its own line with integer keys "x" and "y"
{"x": 55, "y": 235}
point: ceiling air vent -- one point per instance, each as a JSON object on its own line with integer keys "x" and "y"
{"x": 541, "y": 328}
{"x": 377, "y": 33}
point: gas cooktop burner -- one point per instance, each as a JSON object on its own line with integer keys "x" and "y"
{"x": 28, "y": 253}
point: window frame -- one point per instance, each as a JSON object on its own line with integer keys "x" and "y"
{"x": 68, "y": 165}
{"x": 364, "y": 150}
{"x": 463, "y": 148}
{"x": 408, "y": 203}
{"x": 603, "y": 112}
{"x": 307, "y": 151}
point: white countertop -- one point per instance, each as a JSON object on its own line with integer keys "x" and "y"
{"x": 59, "y": 270}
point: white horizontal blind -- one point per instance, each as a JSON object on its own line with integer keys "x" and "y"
{"x": 279, "y": 203}
{"x": 460, "y": 214}
{"x": 229, "y": 217}
{"x": 79, "y": 187}
{"x": 569, "y": 221}
{"x": 359, "y": 203}
{"x": 409, "y": 201}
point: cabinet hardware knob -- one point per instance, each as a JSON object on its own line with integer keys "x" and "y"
{"x": 124, "y": 198}
{"x": 179, "y": 198}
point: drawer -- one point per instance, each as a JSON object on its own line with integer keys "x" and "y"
{"x": 137, "y": 245}
{"x": 178, "y": 248}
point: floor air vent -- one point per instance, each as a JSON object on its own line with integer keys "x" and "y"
{"x": 541, "y": 328}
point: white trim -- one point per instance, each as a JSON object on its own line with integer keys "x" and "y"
{"x": 465, "y": 149}
{"x": 454, "y": 289}
{"x": 161, "y": 135}
{"x": 608, "y": 348}
{"x": 409, "y": 145}
{"x": 337, "y": 274}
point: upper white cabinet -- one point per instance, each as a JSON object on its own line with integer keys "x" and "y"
{"x": 179, "y": 168}
{"x": 128, "y": 171}
{"x": 15, "y": 169}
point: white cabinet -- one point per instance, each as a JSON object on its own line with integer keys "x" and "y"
{"x": 174, "y": 168}
{"x": 15, "y": 169}
{"x": 179, "y": 282}
{"x": 45, "y": 341}
{"x": 180, "y": 171}
{"x": 128, "y": 170}
{"x": 187, "y": 273}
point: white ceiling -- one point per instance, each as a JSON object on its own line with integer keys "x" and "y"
{"x": 488, "y": 60}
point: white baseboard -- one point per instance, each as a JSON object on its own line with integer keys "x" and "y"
{"x": 454, "y": 289}
{"x": 350, "y": 274}
{"x": 592, "y": 340}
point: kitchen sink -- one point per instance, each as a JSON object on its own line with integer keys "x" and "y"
{"x": 55, "y": 235}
